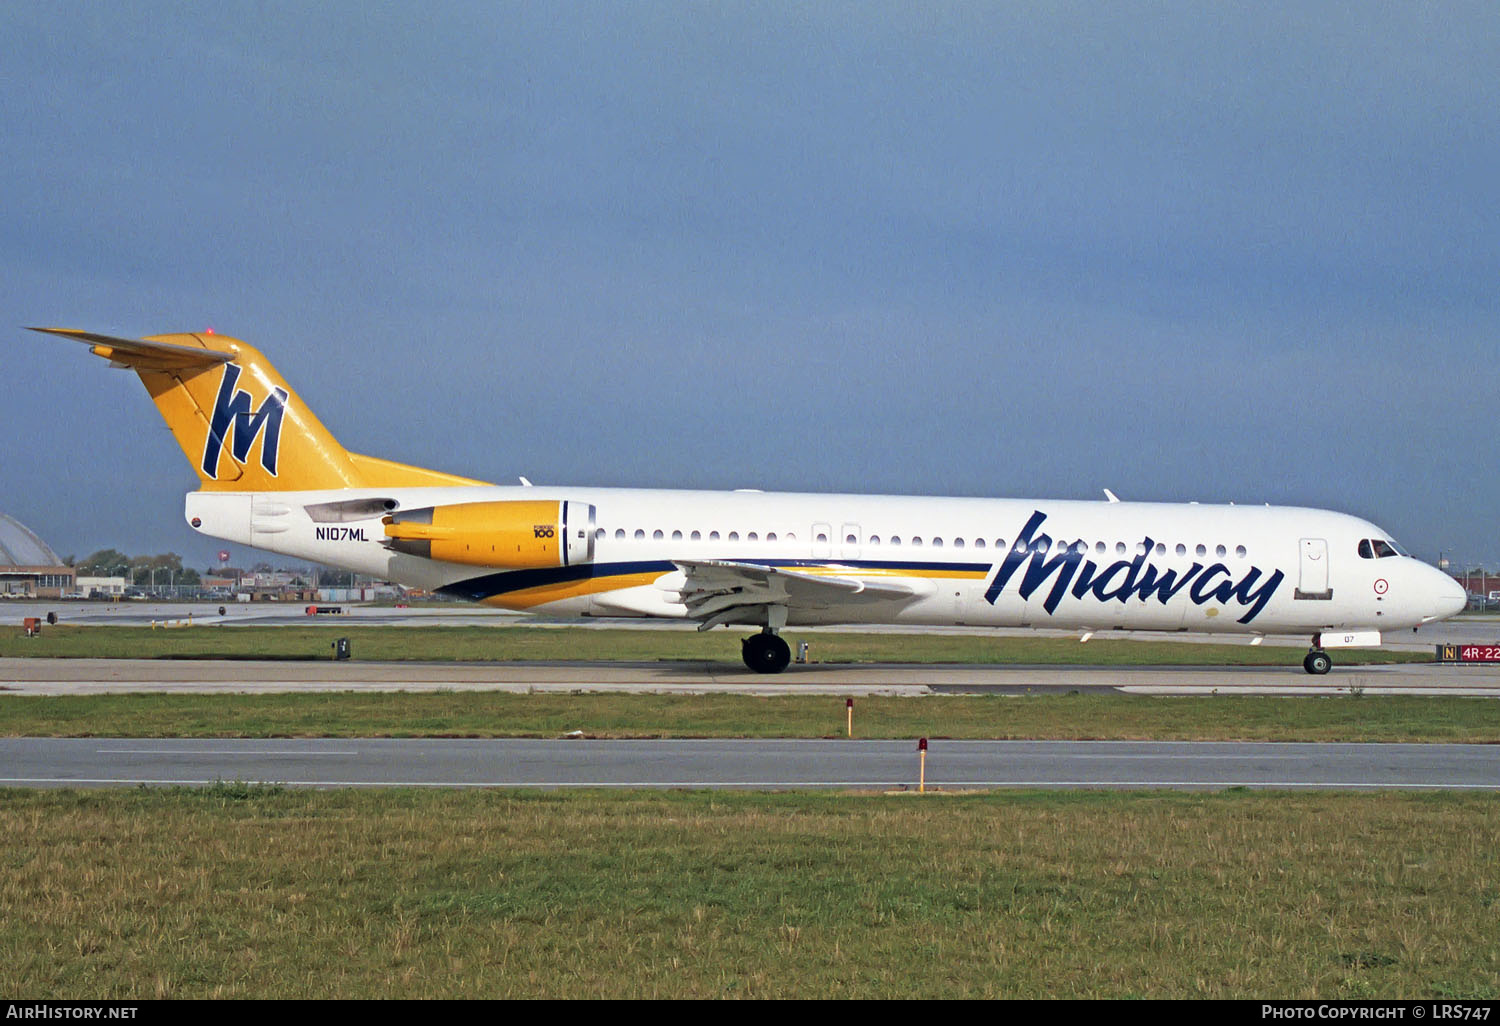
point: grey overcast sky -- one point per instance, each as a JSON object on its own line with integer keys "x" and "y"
{"x": 1187, "y": 251}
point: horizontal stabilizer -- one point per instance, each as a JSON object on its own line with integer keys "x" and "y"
{"x": 144, "y": 354}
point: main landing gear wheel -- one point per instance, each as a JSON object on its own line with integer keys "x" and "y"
{"x": 1317, "y": 662}
{"x": 765, "y": 653}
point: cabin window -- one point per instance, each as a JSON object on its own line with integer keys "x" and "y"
{"x": 1119, "y": 548}
{"x": 1220, "y": 551}
{"x": 895, "y": 539}
{"x": 790, "y": 536}
{"x": 713, "y": 535}
{"x": 752, "y": 536}
{"x": 937, "y": 543}
{"x": 656, "y": 535}
{"x": 734, "y": 536}
{"x": 822, "y": 537}
{"x": 695, "y": 536}
{"x": 640, "y": 535}
{"x": 917, "y": 542}
{"x": 677, "y": 536}
{"x": 979, "y": 543}
{"x": 958, "y": 543}
{"x": 849, "y": 539}
{"x": 1201, "y": 550}
{"x": 1099, "y": 548}
{"x": 874, "y": 539}
{"x": 620, "y": 534}
{"x": 1239, "y": 550}
{"x": 999, "y": 543}
{"x": 1181, "y": 549}
{"x": 1161, "y": 550}
{"x": 770, "y": 536}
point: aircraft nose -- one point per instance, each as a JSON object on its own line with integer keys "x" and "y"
{"x": 1450, "y": 596}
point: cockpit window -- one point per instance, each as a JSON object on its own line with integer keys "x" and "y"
{"x": 1376, "y": 548}
{"x": 1365, "y": 549}
{"x": 1384, "y": 548}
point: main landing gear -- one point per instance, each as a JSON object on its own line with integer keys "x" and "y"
{"x": 765, "y": 652}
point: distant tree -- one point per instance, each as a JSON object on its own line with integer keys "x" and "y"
{"x": 189, "y": 577}
{"x": 168, "y": 567}
{"x": 106, "y": 563}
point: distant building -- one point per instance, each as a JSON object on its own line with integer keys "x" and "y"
{"x": 1479, "y": 582}
{"x": 111, "y": 586}
{"x": 28, "y": 567}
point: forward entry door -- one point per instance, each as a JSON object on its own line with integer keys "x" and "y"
{"x": 1313, "y": 580}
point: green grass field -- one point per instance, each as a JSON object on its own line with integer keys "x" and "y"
{"x": 246, "y": 891}
{"x": 509, "y": 643}
{"x": 492, "y": 714}
{"x": 238, "y": 891}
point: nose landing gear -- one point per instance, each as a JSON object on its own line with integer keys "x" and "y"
{"x": 1317, "y": 662}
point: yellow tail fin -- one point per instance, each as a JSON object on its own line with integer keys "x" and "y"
{"x": 240, "y": 425}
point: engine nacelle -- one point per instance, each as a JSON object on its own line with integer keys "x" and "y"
{"x": 521, "y": 535}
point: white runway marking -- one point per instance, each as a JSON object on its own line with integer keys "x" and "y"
{"x": 858, "y": 785}
{"x": 216, "y": 752}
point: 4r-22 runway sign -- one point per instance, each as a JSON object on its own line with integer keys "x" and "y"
{"x": 1468, "y": 653}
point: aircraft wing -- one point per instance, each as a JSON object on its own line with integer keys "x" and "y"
{"x": 715, "y": 589}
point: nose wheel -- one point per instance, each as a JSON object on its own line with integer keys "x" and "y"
{"x": 1317, "y": 662}
{"x": 765, "y": 652}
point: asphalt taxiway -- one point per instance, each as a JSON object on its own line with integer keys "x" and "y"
{"x": 1483, "y": 629}
{"x": 102, "y": 676}
{"x": 753, "y": 764}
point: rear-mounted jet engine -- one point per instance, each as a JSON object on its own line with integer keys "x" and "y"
{"x": 522, "y": 535}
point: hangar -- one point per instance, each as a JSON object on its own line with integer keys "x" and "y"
{"x": 28, "y": 566}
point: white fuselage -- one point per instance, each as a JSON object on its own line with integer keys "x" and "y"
{"x": 995, "y": 562}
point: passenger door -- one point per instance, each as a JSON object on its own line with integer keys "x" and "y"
{"x": 1312, "y": 582}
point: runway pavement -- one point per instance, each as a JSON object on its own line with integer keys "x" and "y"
{"x": 752, "y": 764}
{"x": 99, "y": 676}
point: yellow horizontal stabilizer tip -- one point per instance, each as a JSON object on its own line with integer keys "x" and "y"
{"x": 142, "y": 353}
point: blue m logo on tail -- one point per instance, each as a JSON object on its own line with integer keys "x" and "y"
{"x": 232, "y": 412}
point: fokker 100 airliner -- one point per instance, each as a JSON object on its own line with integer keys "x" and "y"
{"x": 272, "y": 476}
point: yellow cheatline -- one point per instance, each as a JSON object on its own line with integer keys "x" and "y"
{"x": 526, "y": 598}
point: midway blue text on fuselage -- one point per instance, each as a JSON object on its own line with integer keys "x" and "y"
{"x": 1123, "y": 579}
